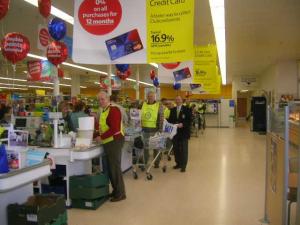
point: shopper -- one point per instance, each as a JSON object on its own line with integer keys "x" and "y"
{"x": 152, "y": 122}
{"x": 181, "y": 115}
{"x": 78, "y": 112}
{"x": 5, "y": 115}
{"x": 112, "y": 138}
{"x": 114, "y": 102}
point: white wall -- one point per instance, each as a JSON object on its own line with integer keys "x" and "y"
{"x": 287, "y": 73}
{"x": 268, "y": 79}
{"x": 281, "y": 79}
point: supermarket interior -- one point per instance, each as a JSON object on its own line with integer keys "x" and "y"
{"x": 149, "y": 112}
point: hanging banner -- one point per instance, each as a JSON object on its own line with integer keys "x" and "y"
{"x": 212, "y": 87}
{"x": 43, "y": 38}
{"x": 205, "y": 61}
{"x": 170, "y": 30}
{"x": 179, "y": 72}
{"x": 109, "y": 32}
{"x": 40, "y": 70}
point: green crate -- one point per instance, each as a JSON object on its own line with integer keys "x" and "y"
{"x": 38, "y": 210}
{"x": 89, "y": 181}
{"x": 88, "y": 204}
{"x": 89, "y": 193}
{"x": 62, "y": 219}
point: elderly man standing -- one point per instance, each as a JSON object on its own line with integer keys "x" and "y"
{"x": 152, "y": 121}
{"x": 181, "y": 115}
{"x": 112, "y": 139}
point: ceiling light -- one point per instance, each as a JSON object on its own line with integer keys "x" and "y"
{"x": 243, "y": 91}
{"x": 67, "y": 78}
{"x": 35, "y": 86}
{"x": 47, "y": 83}
{"x": 68, "y": 64}
{"x": 217, "y": 9}
{"x": 55, "y": 12}
{"x": 96, "y": 82}
{"x": 65, "y": 85}
{"x": 7, "y": 78}
{"x": 84, "y": 68}
{"x": 83, "y": 87}
{"x": 154, "y": 64}
{"x": 141, "y": 82}
{"x": 17, "y": 85}
{"x": 13, "y": 88}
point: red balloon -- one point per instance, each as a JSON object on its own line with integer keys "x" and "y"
{"x": 60, "y": 72}
{"x": 57, "y": 52}
{"x": 15, "y": 47}
{"x": 4, "y": 6}
{"x": 125, "y": 75}
{"x": 152, "y": 74}
{"x": 44, "y": 7}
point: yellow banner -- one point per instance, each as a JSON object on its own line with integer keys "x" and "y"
{"x": 212, "y": 86}
{"x": 170, "y": 30}
{"x": 205, "y": 60}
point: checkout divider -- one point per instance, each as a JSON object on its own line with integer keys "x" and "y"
{"x": 282, "y": 166}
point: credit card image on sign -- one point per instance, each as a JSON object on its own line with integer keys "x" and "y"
{"x": 182, "y": 74}
{"x": 124, "y": 44}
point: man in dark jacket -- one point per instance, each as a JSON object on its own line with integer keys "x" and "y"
{"x": 181, "y": 115}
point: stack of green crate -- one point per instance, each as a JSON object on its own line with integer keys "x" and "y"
{"x": 89, "y": 191}
{"x": 38, "y": 210}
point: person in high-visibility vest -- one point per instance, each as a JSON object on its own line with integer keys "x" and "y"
{"x": 167, "y": 105}
{"x": 152, "y": 121}
{"x": 112, "y": 139}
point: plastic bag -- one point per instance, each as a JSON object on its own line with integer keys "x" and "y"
{"x": 3, "y": 160}
{"x": 169, "y": 129}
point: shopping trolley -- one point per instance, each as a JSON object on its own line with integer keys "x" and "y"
{"x": 135, "y": 138}
{"x": 159, "y": 142}
{"x": 195, "y": 125}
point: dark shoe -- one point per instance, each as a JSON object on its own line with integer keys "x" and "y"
{"x": 176, "y": 167}
{"x": 117, "y": 199}
{"x": 112, "y": 194}
{"x": 182, "y": 170}
{"x": 156, "y": 166}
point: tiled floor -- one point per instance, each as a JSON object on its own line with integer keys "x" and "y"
{"x": 223, "y": 185}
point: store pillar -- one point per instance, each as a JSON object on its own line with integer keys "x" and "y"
{"x": 75, "y": 88}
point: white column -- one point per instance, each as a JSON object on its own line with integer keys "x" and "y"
{"x": 109, "y": 72}
{"x": 56, "y": 86}
{"x": 137, "y": 91}
{"x": 75, "y": 82}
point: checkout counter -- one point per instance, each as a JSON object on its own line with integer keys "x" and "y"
{"x": 74, "y": 160}
{"x": 17, "y": 186}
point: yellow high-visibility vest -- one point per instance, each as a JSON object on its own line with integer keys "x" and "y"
{"x": 167, "y": 113}
{"x": 104, "y": 127}
{"x": 149, "y": 115}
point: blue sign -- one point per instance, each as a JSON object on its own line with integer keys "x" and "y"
{"x": 231, "y": 103}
